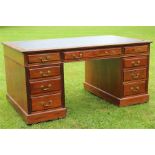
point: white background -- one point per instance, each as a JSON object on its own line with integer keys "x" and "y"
{"x": 77, "y": 12}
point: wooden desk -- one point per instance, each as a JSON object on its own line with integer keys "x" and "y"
{"x": 116, "y": 69}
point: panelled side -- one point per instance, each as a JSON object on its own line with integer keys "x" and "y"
{"x": 16, "y": 77}
{"x": 105, "y": 74}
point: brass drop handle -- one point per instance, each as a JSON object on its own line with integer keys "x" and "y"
{"x": 47, "y": 104}
{"x": 78, "y": 57}
{"x": 136, "y": 63}
{"x": 45, "y": 59}
{"x": 135, "y": 89}
{"x": 45, "y": 88}
{"x": 106, "y": 52}
{"x": 45, "y": 74}
{"x": 135, "y": 75}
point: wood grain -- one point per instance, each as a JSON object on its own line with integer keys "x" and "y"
{"x": 79, "y": 55}
{"x": 116, "y": 69}
{"x": 135, "y": 61}
{"x": 44, "y": 72}
{"x": 134, "y": 88}
{"x": 46, "y": 102}
{"x": 135, "y": 74}
{"x": 15, "y": 78}
{"x": 37, "y": 117}
{"x": 124, "y": 101}
{"x": 44, "y": 86}
{"x": 43, "y": 58}
{"x": 73, "y": 43}
{"x": 136, "y": 49}
{"x": 105, "y": 74}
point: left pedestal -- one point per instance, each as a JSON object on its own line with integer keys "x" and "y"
{"x": 35, "y": 84}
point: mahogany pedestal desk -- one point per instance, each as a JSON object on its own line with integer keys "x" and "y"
{"x": 116, "y": 69}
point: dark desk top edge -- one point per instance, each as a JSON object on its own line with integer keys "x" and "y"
{"x": 72, "y": 43}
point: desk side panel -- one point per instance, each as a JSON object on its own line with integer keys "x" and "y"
{"x": 105, "y": 74}
{"x": 16, "y": 77}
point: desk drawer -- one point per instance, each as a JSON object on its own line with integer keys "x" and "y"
{"x": 44, "y": 72}
{"x": 43, "y": 58}
{"x": 136, "y": 49}
{"x": 73, "y": 56}
{"x": 44, "y": 86}
{"x": 136, "y": 74}
{"x": 46, "y": 102}
{"x": 78, "y": 55}
{"x": 102, "y": 52}
{"x": 134, "y": 88}
{"x": 135, "y": 61}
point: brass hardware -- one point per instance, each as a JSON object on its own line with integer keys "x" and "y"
{"x": 135, "y": 75}
{"x": 78, "y": 57}
{"x": 44, "y": 60}
{"x": 45, "y": 74}
{"x": 135, "y": 88}
{"x": 47, "y": 104}
{"x": 106, "y": 52}
{"x": 81, "y": 54}
{"x": 45, "y": 88}
{"x": 136, "y": 63}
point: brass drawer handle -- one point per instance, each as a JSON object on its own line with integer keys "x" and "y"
{"x": 106, "y": 52}
{"x": 135, "y": 63}
{"x": 43, "y": 74}
{"x": 135, "y": 75}
{"x": 45, "y": 59}
{"x": 45, "y": 88}
{"x": 47, "y": 104}
{"x": 103, "y": 54}
{"x": 78, "y": 57}
{"x": 135, "y": 88}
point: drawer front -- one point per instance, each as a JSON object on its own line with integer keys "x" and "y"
{"x": 43, "y": 58}
{"x": 91, "y": 54}
{"x": 39, "y": 87}
{"x": 134, "y": 88}
{"x": 135, "y": 61}
{"x": 102, "y": 52}
{"x": 136, "y": 74}
{"x": 136, "y": 49}
{"x": 73, "y": 56}
{"x": 44, "y": 72}
{"x": 46, "y": 102}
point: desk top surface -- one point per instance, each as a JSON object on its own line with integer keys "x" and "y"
{"x": 72, "y": 43}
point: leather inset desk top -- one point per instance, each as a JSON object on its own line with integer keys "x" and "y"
{"x": 72, "y": 43}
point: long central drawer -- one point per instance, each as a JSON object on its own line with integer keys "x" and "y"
{"x": 85, "y": 54}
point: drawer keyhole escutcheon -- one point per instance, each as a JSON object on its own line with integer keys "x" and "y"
{"x": 45, "y": 59}
{"x": 45, "y": 88}
{"x": 46, "y": 104}
{"x": 79, "y": 56}
{"x": 136, "y": 63}
{"x": 45, "y": 74}
{"x": 135, "y": 75}
{"x": 135, "y": 89}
